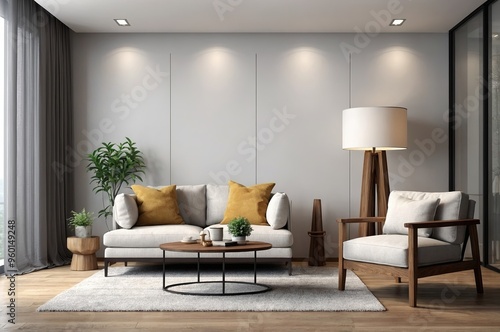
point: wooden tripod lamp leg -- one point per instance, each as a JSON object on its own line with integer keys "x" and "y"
{"x": 375, "y": 175}
{"x": 367, "y": 206}
{"x": 383, "y": 189}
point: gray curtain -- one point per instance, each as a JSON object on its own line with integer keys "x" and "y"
{"x": 38, "y": 193}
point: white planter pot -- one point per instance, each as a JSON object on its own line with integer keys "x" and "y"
{"x": 83, "y": 231}
{"x": 239, "y": 239}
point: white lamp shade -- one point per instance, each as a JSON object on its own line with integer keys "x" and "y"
{"x": 382, "y": 128}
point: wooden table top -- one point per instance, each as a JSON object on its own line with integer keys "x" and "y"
{"x": 198, "y": 247}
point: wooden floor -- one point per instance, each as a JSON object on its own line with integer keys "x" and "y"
{"x": 446, "y": 302}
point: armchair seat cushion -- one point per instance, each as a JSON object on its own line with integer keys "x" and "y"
{"x": 392, "y": 249}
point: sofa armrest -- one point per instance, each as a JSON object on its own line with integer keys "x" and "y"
{"x": 289, "y": 222}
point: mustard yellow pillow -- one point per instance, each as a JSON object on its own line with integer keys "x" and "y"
{"x": 249, "y": 202}
{"x": 157, "y": 206}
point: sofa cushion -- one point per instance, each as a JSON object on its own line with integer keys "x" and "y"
{"x": 125, "y": 210}
{"x": 249, "y": 202}
{"x": 216, "y": 203}
{"x": 157, "y": 206}
{"x": 402, "y": 210}
{"x": 278, "y": 210}
{"x": 149, "y": 236}
{"x": 452, "y": 205}
{"x": 392, "y": 249}
{"x": 192, "y": 204}
{"x": 279, "y": 238}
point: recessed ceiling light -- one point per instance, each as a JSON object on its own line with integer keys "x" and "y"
{"x": 122, "y": 22}
{"x": 397, "y": 22}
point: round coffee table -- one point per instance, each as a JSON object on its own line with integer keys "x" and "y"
{"x": 199, "y": 249}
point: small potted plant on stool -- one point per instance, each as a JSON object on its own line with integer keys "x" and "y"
{"x": 239, "y": 228}
{"x": 82, "y": 222}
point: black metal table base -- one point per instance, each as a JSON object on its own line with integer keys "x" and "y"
{"x": 259, "y": 288}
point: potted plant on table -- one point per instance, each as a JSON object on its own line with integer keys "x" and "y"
{"x": 82, "y": 222}
{"x": 239, "y": 228}
{"x": 114, "y": 165}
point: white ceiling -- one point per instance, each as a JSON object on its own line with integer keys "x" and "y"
{"x": 260, "y": 15}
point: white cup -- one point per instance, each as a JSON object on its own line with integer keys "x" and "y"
{"x": 215, "y": 233}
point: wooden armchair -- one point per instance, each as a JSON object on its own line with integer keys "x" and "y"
{"x": 428, "y": 248}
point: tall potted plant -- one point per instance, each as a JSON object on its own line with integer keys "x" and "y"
{"x": 114, "y": 165}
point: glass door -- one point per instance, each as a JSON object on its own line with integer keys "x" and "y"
{"x": 466, "y": 125}
{"x": 475, "y": 121}
{"x": 493, "y": 232}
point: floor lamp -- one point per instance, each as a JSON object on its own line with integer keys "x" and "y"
{"x": 374, "y": 130}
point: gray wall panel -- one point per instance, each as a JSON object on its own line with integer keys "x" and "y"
{"x": 302, "y": 91}
{"x": 221, "y": 100}
{"x": 213, "y": 109}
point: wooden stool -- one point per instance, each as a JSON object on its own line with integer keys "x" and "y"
{"x": 83, "y": 250}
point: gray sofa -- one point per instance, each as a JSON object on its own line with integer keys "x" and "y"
{"x": 201, "y": 206}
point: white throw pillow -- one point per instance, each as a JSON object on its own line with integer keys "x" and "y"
{"x": 125, "y": 211}
{"x": 402, "y": 210}
{"x": 452, "y": 205}
{"x": 278, "y": 210}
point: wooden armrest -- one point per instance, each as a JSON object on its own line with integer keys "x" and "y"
{"x": 441, "y": 223}
{"x": 361, "y": 219}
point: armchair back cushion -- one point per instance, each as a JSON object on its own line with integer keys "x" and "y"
{"x": 402, "y": 209}
{"x": 453, "y": 205}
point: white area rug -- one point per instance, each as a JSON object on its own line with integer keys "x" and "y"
{"x": 140, "y": 289}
